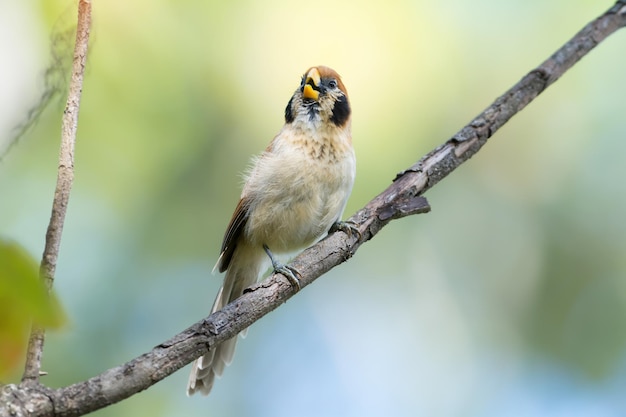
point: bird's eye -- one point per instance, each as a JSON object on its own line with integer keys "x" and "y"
{"x": 332, "y": 83}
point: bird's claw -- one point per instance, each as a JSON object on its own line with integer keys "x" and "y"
{"x": 348, "y": 227}
{"x": 289, "y": 272}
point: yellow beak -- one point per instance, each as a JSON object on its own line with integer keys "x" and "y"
{"x": 312, "y": 79}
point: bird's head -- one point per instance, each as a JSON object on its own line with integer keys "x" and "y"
{"x": 320, "y": 98}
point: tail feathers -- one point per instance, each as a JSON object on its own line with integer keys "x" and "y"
{"x": 210, "y": 366}
{"x": 238, "y": 277}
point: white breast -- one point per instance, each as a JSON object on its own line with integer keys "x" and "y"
{"x": 297, "y": 191}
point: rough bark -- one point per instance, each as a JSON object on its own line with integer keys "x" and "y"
{"x": 65, "y": 179}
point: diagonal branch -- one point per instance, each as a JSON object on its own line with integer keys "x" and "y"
{"x": 65, "y": 178}
{"x": 400, "y": 199}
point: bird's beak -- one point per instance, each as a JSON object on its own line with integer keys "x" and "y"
{"x": 311, "y": 85}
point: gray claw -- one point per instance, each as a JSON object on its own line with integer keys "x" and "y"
{"x": 289, "y": 272}
{"x": 348, "y": 227}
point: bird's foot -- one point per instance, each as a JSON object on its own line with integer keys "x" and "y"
{"x": 289, "y": 272}
{"x": 348, "y": 227}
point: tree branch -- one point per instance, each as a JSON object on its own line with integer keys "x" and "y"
{"x": 401, "y": 199}
{"x": 65, "y": 178}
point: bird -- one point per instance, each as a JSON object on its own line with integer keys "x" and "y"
{"x": 294, "y": 194}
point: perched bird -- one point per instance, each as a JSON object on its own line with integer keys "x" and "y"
{"x": 294, "y": 193}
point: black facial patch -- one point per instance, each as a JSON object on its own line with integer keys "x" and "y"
{"x": 288, "y": 113}
{"x": 341, "y": 111}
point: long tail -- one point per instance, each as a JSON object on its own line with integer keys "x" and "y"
{"x": 242, "y": 272}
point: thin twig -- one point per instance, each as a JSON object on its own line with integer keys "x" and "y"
{"x": 65, "y": 178}
{"x": 402, "y": 198}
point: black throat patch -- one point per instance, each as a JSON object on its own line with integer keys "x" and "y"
{"x": 313, "y": 110}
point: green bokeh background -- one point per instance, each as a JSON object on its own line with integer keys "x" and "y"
{"x": 509, "y": 298}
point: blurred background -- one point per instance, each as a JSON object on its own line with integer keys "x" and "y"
{"x": 508, "y": 299}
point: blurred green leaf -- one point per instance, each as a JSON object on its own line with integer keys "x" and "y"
{"x": 23, "y": 300}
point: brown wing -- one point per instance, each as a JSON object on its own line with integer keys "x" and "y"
{"x": 235, "y": 227}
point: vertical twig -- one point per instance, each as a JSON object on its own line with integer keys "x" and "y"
{"x": 65, "y": 178}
